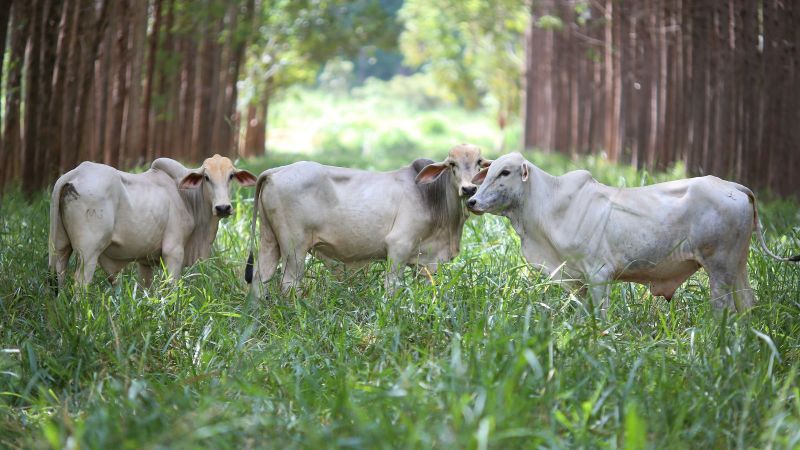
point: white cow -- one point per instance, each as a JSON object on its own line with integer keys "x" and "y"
{"x": 413, "y": 215}
{"x": 575, "y": 228}
{"x": 114, "y": 218}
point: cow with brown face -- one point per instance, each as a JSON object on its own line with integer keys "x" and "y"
{"x": 113, "y": 218}
{"x": 413, "y": 215}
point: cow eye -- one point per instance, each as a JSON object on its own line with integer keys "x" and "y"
{"x": 230, "y": 177}
{"x": 480, "y": 162}
{"x": 504, "y": 173}
{"x": 206, "y": 177}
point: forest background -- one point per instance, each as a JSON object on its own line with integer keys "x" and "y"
{"x": 708, "y": 86}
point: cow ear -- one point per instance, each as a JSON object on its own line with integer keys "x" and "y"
{"x": 245, "y": 178}
{"x": 430, "y": 173}
{"x": 478, "y": 179}
{"x": 486, "y": 163}
{"x": 524, "y": 172}
{"x": 192, "y": 180}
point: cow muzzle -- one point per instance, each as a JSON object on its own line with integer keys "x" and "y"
{"x": 223, "y": 210}
{"x": 472, "y": 206}
{"x": 468, "y": 191}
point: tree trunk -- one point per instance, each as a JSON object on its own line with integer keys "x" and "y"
{"x": 145, "y": 149}
{"x": 238, "y": 44}
{"x": 31, "y": 99}
{"x": 256, "y": 131}
{"x": 92, "y": 33}
{"x": 102, "y": 89}
{"x": 5, "y": 18}
{"x": 188, "y": 83}
{"x": 69, "y": 110}
{"x": 55, "y": 115}
{"x": 209, "y": 73}
{"x": 115, "y": 148}
{"x": 11, "y": 149}
{"x": 135, "y": 111}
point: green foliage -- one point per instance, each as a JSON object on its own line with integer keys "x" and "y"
{"x": 486, "y": 354}
{"x": 474, "y": 48}
{"x": 394, "y": 144}
{"x": 336, "y": 76}
{"x": 382, "y": 125}
{"x": 549, "y": 22}
{"x": 293, "y": 39}
{"x": 433, "y": 125}
{"x": 343, "y": 140}
{"x": 421, "y": 90}
{"x": 635, "y": 430}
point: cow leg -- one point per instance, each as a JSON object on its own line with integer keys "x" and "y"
{"x": 600, "y": 290}
{"x": 293, "y": 251}
{"x": 599, "y": 287}
{"x": 89, "y": 226}
{"x": 61, "y": 261}
{"x": 730, "y": 287}
{"x": 294, "y": 267}
{"x": 399, "y": 251}
{"x": 146, "y": 273}
{"x": 727, "y": 272}
{"x": 112, "y": 267}
{"x": 87, "y": 263}
{"x": 722, "y": 278}
{"x": 87, "y": 253}
{"x": 723, "y": 285}
{"x": 269, "y": 253}
{"x": 172, "y": 254}
{"x": 743, "y": 295}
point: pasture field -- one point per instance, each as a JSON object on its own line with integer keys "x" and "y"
{"x": 486, "y": 354}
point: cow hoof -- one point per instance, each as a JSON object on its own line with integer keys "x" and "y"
{"x": 52, "y": 284}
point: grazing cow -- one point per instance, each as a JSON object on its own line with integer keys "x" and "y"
{"x": 115, "y": 218}
{"x": 413, "y": 215}
{"x": 576, "y": 228}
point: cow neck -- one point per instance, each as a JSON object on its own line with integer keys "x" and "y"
{"x": 205, "y": 226}
{"x": 531, "y": 212}
{"x": 457, "y": 214}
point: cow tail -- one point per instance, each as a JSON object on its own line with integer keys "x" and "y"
{"x": 760, "y": 231}
{"x": 56, "y": 224}
{"x": 248, "y": 269}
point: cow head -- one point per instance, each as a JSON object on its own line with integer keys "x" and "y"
{"x": 464, "y": 161}
{"x": 215, "y": 176}
{"x": 500, "y": 184}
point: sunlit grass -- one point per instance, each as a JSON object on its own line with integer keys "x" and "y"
{"x": 485, "y": 354}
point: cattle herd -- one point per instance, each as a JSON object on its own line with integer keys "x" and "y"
{"x": 577, "y": 230}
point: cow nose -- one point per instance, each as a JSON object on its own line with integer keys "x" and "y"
{"x": 223, "y": 210}
{"x": 468, "y": 191}
{"x": 471, "y": 203}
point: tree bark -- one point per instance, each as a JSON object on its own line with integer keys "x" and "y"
{"x": 115, "y": 148}
{"x": 92, "y": 35}
{"x": 145, "y": 149}
{"x": 255, "y": 137}
{"x": 135, "y": 107}
{"x": 5, "y": 18}
{"x": 55, "y": 115}
{"x": 31, "y": 99}
{"x": 10, "y": 151}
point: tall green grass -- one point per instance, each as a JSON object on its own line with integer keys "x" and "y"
{"x": 487, "y": 354}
